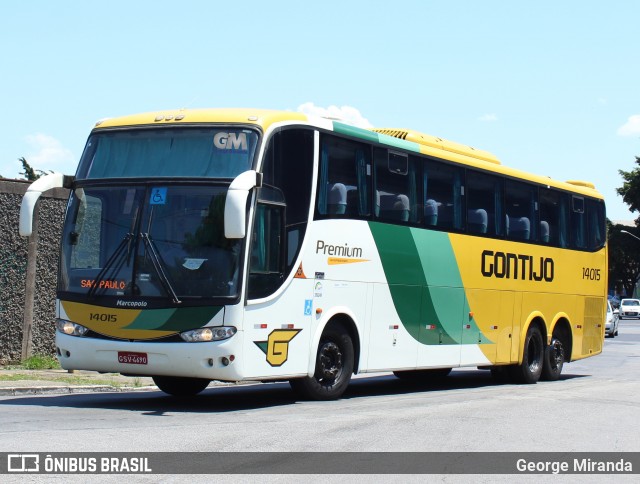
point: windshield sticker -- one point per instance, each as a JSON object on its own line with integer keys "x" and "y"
{"x": 230, "y": 141}
{"x": 158, "y": 196}
{"x": 193, "y": 264}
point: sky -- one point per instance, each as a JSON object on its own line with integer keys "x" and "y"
{"x": 550, "y": 87}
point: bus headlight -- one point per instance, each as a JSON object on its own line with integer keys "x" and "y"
{"x": 214, "y": 333}
{"x": 71, "y": 328}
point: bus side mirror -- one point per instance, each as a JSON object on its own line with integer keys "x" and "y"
{"x": 37, "y": 188}
{"x": 235, "y": 206}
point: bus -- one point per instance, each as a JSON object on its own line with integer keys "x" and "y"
{"x": 256, "y": 245}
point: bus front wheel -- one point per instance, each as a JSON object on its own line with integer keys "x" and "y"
{"x": 530, "y": 369}
{"x": 334, "y": 366}
{"x": 181, "y": 387}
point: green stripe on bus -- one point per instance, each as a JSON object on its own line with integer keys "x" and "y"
{"x": 190, "y": 318}
{"x": 373, "y": 137}
{"x": 425, "y": 285}
{"x": 412, "y": 298}
{"x": 399, "y": 143}
{"x": 174, "y": 319}
{"x": 151, "y": 319}
{"x": 349, "y": 130}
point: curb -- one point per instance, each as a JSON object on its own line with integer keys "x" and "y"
{"x": 67, "y": 390}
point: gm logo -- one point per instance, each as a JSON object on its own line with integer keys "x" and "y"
{"x": 277, "y": 346}
{"x": 230, "y": 141}
{"x": 23, "y": 463}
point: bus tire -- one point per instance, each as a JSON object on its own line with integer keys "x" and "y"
{"x": 553, "y": 360}
{"x": 181, "y": 387}
{"x": 334, "y": 366}
{"x": 432, "y": 375}
{"x": 530, "y": 369}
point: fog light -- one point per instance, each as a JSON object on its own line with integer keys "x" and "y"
{"x": 71, "y": 328}
{"x": 210, "y": 333}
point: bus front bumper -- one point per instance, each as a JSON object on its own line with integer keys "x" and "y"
{"x": 212, "y": 360}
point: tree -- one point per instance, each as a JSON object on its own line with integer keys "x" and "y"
{"x": 624, "y": 251}
{"x": 30, "y": 173}
{"x": 630, "y": 189}
{"x": 624, "y": 258}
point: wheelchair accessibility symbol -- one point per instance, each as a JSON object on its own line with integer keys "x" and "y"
{"x": 308, "y": 304}
{"x": 158, "y": 196}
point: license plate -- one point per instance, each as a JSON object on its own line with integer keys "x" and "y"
{"x": 132, "y": 358}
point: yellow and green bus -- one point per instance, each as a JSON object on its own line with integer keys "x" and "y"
{"x": 255, "y": 245}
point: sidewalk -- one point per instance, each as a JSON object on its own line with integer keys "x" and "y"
{"x": 40, "y": 382}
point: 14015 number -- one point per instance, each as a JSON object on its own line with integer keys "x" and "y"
{"x": 591, "y": 274}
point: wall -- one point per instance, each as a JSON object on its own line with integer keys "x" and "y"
{"x": 13, "y": 267}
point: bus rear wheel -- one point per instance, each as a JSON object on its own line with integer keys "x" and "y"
{"x": 530, "y": 369}
{"x": 181, "y": 387}
{"x": 553, "y": 360}
{"x": 334, "y": 366}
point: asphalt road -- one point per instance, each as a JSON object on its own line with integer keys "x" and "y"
{"x": 593, "y": 408}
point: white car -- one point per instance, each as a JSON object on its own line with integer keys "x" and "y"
{"x": 630, "y": 308}
{"x": 611, "y": 323}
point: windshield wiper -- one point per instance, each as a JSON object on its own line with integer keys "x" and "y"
{"x": 119, "y": 256}
{"x": 158, "y": 265}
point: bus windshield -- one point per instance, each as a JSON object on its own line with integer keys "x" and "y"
{"x": 149, "y": 241}
{"x": 168, "y": 152}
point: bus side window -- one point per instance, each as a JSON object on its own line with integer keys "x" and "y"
{"x": 344, "y": 178}
{"x": 484, "y": 203}
{"x": 521, "y": 210}
{"x": 578, "y": 223}
{"x": 265, "y": 270}
{"x": 553, "y": 217}
{"x": 396, "y": 186}
{"x": 443, "y": 186}
{"x": 596, "y": 227}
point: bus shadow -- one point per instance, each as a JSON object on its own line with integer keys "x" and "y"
{"x": 220, "y": 399}
{"x": 457, "y": 380}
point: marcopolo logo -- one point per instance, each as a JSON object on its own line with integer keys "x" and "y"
{"x": 230, "y": 141}
{"x": 131, "y": 304}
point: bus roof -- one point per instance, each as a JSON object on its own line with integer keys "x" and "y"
{"x": 405, "y": 139}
